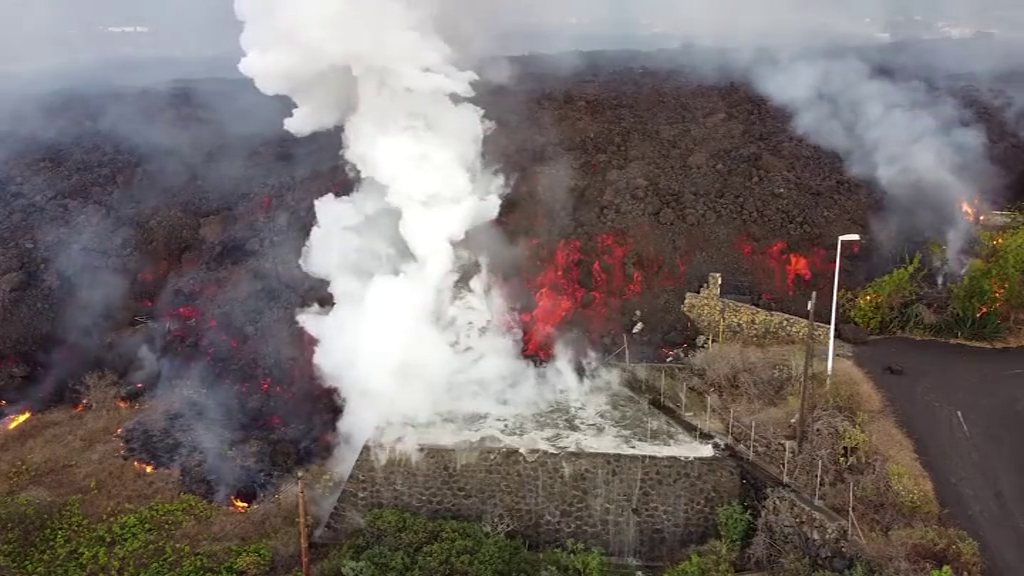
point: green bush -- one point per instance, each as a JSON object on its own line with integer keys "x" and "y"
{"x": 397, "y": 542}
{"x": 992, "y": 289}
{"x": 45, "y": 539}
{"x": 734, "y": 524}
{"x": 715, "y": 558}
{"x": 885, "y": 306}
{"x": 575, "y": 559}
{"x": 940, "y": 546}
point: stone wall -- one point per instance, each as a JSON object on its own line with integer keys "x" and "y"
{"x": 791, "y": 523}
{"x": 642, "y": 507}
{"x": 743, "y": 323}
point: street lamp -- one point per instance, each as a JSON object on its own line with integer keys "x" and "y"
{"x": 835, "y": 298}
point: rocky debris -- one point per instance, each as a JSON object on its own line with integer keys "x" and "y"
{"x": 895, "y": 369}
{"x": 686, "y": 169}
{"x": 852, "y": 334}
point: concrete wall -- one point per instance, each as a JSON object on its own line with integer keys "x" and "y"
{"x": 643, "y": 507}
{"x": 742, "y": 323}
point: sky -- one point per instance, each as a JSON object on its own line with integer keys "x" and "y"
{"x": 40, "y": 34}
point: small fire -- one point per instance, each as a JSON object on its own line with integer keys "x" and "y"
{"x": 124, "y": 403}
{"x": 147, "y": 468}
{"x": 997, "y": 299}
{"x": 15, "y": 421}
{"x": 239, "y": 505}
{"x": 968, "y": 210}
{"x": 971, "y": 209}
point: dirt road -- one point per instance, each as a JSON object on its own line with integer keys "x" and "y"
{"x": 964, "y": 408}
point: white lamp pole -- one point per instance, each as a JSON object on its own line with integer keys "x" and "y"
{"x": 835, "y": 298}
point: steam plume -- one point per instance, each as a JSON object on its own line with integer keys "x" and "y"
{"x": 402, "y": 343}
{"x": 910, "y": 141}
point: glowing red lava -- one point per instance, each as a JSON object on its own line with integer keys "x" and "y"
{"x": 587, "y": 291}
{"x": 787, "y": 270}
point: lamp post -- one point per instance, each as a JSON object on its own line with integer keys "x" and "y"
{"x": 835, "y": 298}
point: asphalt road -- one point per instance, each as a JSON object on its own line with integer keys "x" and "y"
{"x": 964, "y": 408}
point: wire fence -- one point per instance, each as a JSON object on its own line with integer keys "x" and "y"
{"x": 761, "y": 442}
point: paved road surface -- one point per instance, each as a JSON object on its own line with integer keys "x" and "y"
{"x": 964, "y": 408}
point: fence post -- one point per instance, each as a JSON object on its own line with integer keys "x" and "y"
{"x": 849, "y": 512}
{"x": 625, "y": 345}
{"x": 730, "y": 424}
{"x": 801, "y": 424}
{"x": 785, "y": 465}
{"x": 662, "y": 385}
{"x": 707, "y": 417}
{"x": 817, "y": 484}
{"x": 752, "y": 422}
{"x": 682, "y": 400}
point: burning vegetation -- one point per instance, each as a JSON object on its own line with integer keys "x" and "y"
{"x": 13, "y": 422}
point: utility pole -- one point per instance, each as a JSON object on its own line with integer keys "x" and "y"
{"x": 805, "y": 385}
{"x": 303, "y": 529}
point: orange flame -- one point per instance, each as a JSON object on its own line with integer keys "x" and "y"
{"x": 970, "y": 212}
{"x": 997, "y": 299}
{"x": 123, "y": 403}
{"x": 147, "y": 468}
{"x": 15, "y": 421}
{"x": 239, "y": 505}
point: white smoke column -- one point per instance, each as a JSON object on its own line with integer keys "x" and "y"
{"x": 901, "y": 135}
{"x": 401, "y": 343}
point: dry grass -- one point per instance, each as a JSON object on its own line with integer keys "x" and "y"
{"x": 63, "y": 453}
{"x": 852, "y": 432}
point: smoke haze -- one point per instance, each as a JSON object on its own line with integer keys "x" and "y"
{"x": 402, "y": 343}
{"x": 405, "y": 341}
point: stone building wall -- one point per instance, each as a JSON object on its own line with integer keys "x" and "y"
{"x": 743, "y": 323}
{"x": 643, "y": 507}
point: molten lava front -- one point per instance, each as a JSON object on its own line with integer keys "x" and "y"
{"x": 587, "y": 288}
{"x": 596, "y": 288}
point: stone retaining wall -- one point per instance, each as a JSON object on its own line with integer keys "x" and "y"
{"x": 743, "y": 323}
{"x": 642, "y": 507}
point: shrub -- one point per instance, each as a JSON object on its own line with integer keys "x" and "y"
{"x": 913, "y": 499}
{"x": 574, "y": 559}
{"x": 397, "y": 542}
{"x": 734, "y": 525}
{"x": 253, "y": 560}
{"x": 884, "y": 306}
{"x": 713, "y": 559}
{"x": 45, "y": 539}
{"x": 941, "y": 546}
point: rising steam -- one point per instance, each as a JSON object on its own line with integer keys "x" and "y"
{"x": 402, "y": 343}
{"x": 405, "y": 342}
{"x": 909, "y": 140}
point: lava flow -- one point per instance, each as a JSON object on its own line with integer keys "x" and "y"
{"x": 787, "y": 267}
{"x": 587, "y": 292}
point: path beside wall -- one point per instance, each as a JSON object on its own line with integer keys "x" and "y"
{"x": 633, "y": 506}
